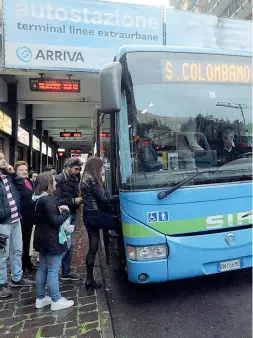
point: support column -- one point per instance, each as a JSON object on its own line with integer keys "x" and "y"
{"x": 40, "y": 135}
{"x": 13, "y": 108}
{"x": 51, "y": 145}
{"x": 29, "y": 124}
{"x": 46, "y": 140}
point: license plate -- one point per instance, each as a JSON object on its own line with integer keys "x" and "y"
{"x": 230, "y": 265}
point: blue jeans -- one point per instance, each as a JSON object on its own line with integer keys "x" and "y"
{"x": 67, "y": 258}
{"x": 14, "y": 249}
{"x": 48, "y": 273}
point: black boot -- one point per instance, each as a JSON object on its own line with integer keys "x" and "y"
{"x": 90, "y": 281}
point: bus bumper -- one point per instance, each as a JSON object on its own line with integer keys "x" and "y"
{"x": 192, "y": 256}
{"x": 155, "y": 271}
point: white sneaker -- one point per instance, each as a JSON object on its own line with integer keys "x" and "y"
{"x": 61, "y": 304}
{"x": 40, "y": 303}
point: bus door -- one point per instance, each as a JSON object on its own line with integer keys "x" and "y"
{"x": 106, "y": 150}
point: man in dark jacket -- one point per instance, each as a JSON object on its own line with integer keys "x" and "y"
{"x": 230, "y": 151}
{"x": 147, "y": 154}
{"x": 68, "y": 193}
{"x": 11, "y": 187}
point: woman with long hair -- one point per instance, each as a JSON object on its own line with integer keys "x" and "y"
{"x": 27, "y": 215}
{"x": 95, "y": 198}
{"x": 47, "y": 241}
{"x": 33, "y": 177}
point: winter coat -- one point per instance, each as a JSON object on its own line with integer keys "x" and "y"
{"x": 17, "y": 187}
{"x": 48, "y": 222}
{"x": 148, "y": 159}
{"x": 27, "y": 204}
{"x": 94, "y": 195}
{"x": 67, "y": 189}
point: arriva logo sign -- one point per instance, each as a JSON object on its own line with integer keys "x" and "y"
{"x": 24, "y": 54}
{"x": 57, "y": 55}
{"x": 220, "y": 221}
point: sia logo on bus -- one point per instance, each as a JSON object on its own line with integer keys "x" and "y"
{"x": 229, "y": 220}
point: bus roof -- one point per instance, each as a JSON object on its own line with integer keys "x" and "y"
{"x": 181, "y": 49}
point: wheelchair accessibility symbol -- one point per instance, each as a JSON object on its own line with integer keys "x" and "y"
{"x": 152, "y": 217}
{"x": 157, "y": 216}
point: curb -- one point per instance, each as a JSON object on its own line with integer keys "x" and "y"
{"x": 102, "y": 296}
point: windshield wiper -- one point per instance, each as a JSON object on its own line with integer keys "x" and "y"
{"x": 166, "y": 193}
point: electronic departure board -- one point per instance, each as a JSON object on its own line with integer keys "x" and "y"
{"x": 205, "y": 71}
{"x": 148, "y": 68}
{"x": 55, "y": 86}
{"x": 70, "y": 134}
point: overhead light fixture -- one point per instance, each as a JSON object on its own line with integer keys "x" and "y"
{"x": 61, "y": 150}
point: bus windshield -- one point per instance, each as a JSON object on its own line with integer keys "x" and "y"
{"x": 186, "y": 112}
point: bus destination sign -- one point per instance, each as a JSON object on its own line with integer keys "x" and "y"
{"x": 60, "y": 86}
{"x": 203, "y": 71}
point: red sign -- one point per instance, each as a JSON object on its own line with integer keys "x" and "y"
{"x": 75, "y": 151}
{"x": 77, "y": 134}
{"x": 70, "y": 134}
{"x": 61, "y": 86}
{"x": 105, "y": 135}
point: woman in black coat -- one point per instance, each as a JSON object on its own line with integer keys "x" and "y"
{"x": 27, "y": 214}
{"x": 95, "y": 198}
{"x": 48, "y": 242}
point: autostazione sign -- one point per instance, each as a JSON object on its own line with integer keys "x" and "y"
{"x": 75, "y": 34}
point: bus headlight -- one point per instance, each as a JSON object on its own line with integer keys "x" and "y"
{"x": 140, "y": 253}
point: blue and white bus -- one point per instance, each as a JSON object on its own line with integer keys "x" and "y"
{"x": 179, "y": 118}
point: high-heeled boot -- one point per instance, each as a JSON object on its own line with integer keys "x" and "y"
{"x": 90, "y": 281}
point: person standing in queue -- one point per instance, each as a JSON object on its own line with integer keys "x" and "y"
{"x": 33, "y": 177}
{"x": 49, "y": 218}
{"x": 27, "y": 214}
{"x": 94, "y": 197}
{"x": 68, "y": 193}
{"x": 11, "y": 188}
{"x": 51, "y": 168}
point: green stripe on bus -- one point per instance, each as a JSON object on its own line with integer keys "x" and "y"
{"x": 187, "y": 225}
{"x": 201, "y": 224}
{"x": 137, "y": 230}
{"x": 180, "y": 226}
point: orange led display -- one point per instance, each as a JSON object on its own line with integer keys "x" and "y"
{"x": 60, "y": 86}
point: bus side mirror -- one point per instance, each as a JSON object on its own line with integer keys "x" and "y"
{"x": 110, "y": 87}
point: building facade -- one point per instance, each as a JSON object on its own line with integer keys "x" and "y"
{"x": 240, "y": 9}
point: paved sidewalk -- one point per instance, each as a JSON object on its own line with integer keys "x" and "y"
{"x": 20, "y": 319}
